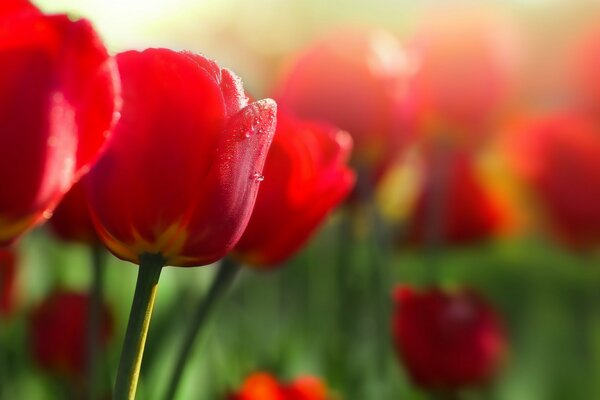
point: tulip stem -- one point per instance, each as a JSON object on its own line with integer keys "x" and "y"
{"x": 95, "y": 320}
{"x": 223, "y": 279}
{"x": 137, "y": 328}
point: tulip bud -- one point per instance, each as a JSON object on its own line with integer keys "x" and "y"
{"x": 58, "y": 97}
{"x": 447, "y": 340}
{"x": 185, "y": 163}
{"x": 306, "y": 177}
{"x": 58, "y": 333}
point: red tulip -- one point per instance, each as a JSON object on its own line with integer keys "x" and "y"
{"x": 182, "y": 172}
{"x": 58, "y": 98}
{"x": 467, "y": 209}
{"x": 306, "y": 177}
{"x": 447, "y": 340}
{"x": 558, "y": 156}
{"x": 8, "y": 272}
{"x": 585, "y": 64}
{"x": 305, "y": 388}
{"x": 354, "y": 79}
{"x": 263, "y": 386}
{"x": 259, "y": 386}
{"x": 71, "y": 220}
{"x": 465, "y": 67}
{"x": 58, "y": 333}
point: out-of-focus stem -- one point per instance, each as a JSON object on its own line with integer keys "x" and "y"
{"x": 94, "y": 320}
{"x": 225, "y": 276}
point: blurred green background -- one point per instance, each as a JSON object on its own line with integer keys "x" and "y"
{"x": 292, "y": 321}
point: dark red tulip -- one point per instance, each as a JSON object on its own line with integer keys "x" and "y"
{"x": 184, "y": 166}
{"x": 558, "y": 156}
{"x": 58, "y": 333}
{"x": 71, "y": 220}
{"x": 447, "y": 340}
{"x": 8, "y": 272}
{"x": 305, "y": 178}
{"x": 263, "y": 386}
{"x": 465, "y": 64}
{"x": 58, "y": 96}
{"x": 354, "y": 79}
{"x": 465, "y": 208}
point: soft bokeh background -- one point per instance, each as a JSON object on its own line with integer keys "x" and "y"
{"x": 289, "y": 321}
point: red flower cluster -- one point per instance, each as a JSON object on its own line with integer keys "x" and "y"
{"x": 263, "y": 386}
{"x": 307, "y": 177}
{"x": 58, "y": 97}
{"x": 58, "y": 333}
{"x": 447, "y": 340}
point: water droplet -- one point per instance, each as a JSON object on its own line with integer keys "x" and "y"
{"x": 47, "y": 214}
{"x": 258, "y": 177}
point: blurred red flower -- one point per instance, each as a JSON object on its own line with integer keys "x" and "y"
{"x": 58, "y": 333}
{"x": 263, "y": 386}
{"x": 8, "y": 272}
{"x": 184, "y": 166}
{"x": 585, "y": 64}
{"x": 447, "y": 340}
{"x": 71, "y": 220}
{"x": 558, "y": 157}
{"x": 465, "y": 210}
{"x": 355, "y": 79}
{"x": 465, "y": 67}
{"x": 58, "y": 96}
{"x": 306, "y": 177}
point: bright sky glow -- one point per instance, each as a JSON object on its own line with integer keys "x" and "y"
{"x": 129, "y": 23}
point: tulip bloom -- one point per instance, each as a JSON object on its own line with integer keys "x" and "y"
{"x": 558, "y": 156}
{"x": 307, "y": 177}
{"x": 263, "y": 386}
{"x": 465, "y": 68}
{"x": 57, "y": 330}
{"x": 71, "y": 220}
{"x": 354, "y": 79}
{"x": 184, "y": 166}
{"x": 584, "y": 67}
{"x": 8, "y": 271}
{"x": 447, "y": 340}
{"x": 467, "y": 212}
{"x": 58, "y": 97}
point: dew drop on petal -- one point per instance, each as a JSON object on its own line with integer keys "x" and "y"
{"x": 258, "y": 177}
{"x": 47, "y": 214}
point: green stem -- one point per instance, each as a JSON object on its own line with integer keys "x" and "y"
{"x": 137, "y": 328}
{"x": 223, "y": 279}
{"x": 94, "y": 320}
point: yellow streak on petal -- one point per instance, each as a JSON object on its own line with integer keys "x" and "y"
{"x": 10, "y": 228}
